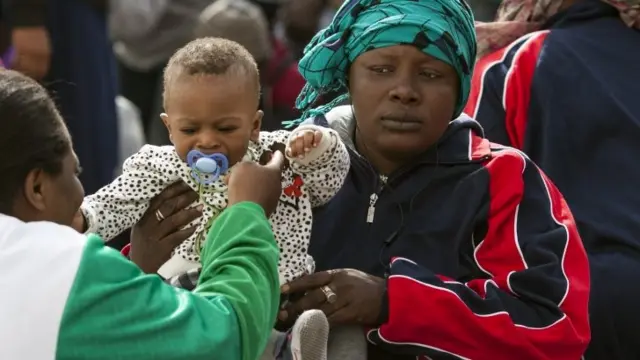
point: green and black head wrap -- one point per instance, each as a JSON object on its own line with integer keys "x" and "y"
{"x": 443, "y": 29}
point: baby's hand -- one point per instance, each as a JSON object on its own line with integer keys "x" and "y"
{"x": 300, "y": 144}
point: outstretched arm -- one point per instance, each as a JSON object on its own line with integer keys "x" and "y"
{"x": 119, "y": 205}
{"x": 324, "y": 163}
{"x": 229, "y": 315}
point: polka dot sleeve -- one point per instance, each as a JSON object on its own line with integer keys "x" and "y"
{"x": 119, "y": 205}
{"x": 325, "y": 167}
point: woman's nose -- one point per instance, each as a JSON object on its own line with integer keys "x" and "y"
{"x": 405, "y": 93}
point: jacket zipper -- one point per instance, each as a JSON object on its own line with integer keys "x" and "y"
{"x": 373, "y": 199}
{"x": 371, "y": 212}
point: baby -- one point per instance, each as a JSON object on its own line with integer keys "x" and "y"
{"x": 211, "y": 95}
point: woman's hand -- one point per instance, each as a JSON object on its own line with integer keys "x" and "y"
{"x": 260, "y": 184}
{"x": 358, "y": 297}
{"x": 158, "y": 232}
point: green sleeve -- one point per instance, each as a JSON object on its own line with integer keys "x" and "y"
{"x": 245, "y": 271}
{"x": 114, "y": 311}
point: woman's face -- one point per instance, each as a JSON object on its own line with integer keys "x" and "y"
{"x": 67, "y": 192}
{"x": 55, "y": 198}
{"x": 403, "y": 100}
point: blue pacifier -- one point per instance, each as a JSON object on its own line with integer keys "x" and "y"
{"x": 206, "y": 169}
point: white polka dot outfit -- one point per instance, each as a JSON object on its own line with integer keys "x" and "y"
{"x": 307, "y": 183}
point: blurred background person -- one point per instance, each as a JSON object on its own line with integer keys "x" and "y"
{"x": 244, "y": 22}
{"x": 145, "y": 33}
{"x": 64, "y": 44}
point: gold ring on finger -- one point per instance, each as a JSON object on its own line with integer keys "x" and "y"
{"x": 329, "y": 294}
{"x": 159, "y": 215}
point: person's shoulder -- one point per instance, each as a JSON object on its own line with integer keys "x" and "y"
{"x": 338, "y": 116}
{"x": 506, "y": 159}
{"x": 340, "y": 119}
{"x": 36, "y": 235}
{"x": 39, "y": 261}
{"x": 524, "y": 50}
{"x": 45, "y": 246}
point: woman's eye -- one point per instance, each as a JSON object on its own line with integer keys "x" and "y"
{"x": 430, "y": 75}
{"x": 381, "y": 69}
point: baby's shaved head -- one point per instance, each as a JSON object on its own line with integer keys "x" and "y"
{"x": 211, "y": 56}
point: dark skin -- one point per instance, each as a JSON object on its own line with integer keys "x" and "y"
{"x": 403, "y": 101}
{"x": 415, "y": 95}
{"x": 47, "y": 197}
{"x": 152, "y": 241}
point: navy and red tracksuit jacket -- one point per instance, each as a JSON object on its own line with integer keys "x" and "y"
{"x": 568, "y": 97}
{"x": 480, "y": 252}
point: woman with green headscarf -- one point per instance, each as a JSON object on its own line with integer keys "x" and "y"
{"x": 440, "y": 244}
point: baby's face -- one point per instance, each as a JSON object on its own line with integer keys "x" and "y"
{"x": 212, "y": 114}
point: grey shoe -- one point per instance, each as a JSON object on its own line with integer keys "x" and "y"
{"x": 307, "y": 340}
{"x": 310, "y": 336}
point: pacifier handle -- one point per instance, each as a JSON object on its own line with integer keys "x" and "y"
{"x": 221, "y": 160}
{"x": 193, "y": 156}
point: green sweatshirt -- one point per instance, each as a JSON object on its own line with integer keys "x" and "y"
{"x": 95, "y": 304}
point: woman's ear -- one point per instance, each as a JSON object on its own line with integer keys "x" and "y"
{"x": 35, "y": 188}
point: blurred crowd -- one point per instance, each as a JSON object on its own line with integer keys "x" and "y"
{"x": 90, "y": 52}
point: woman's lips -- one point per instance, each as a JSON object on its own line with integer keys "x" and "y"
{"x": 401, "y": 123}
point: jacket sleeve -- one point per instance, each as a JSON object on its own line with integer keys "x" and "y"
{"x": 113, "y": 308}
{"x": 501, "y": 90}
{"x": 25, "y": 13}
{"x": 531, "y": 303}
{"x": 325, "y": 167}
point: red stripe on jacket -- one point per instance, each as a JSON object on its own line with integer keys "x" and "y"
{"x": 517, "y": 90}
{"x": 533, "y": 303}
{"x": 516, "y": 66}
